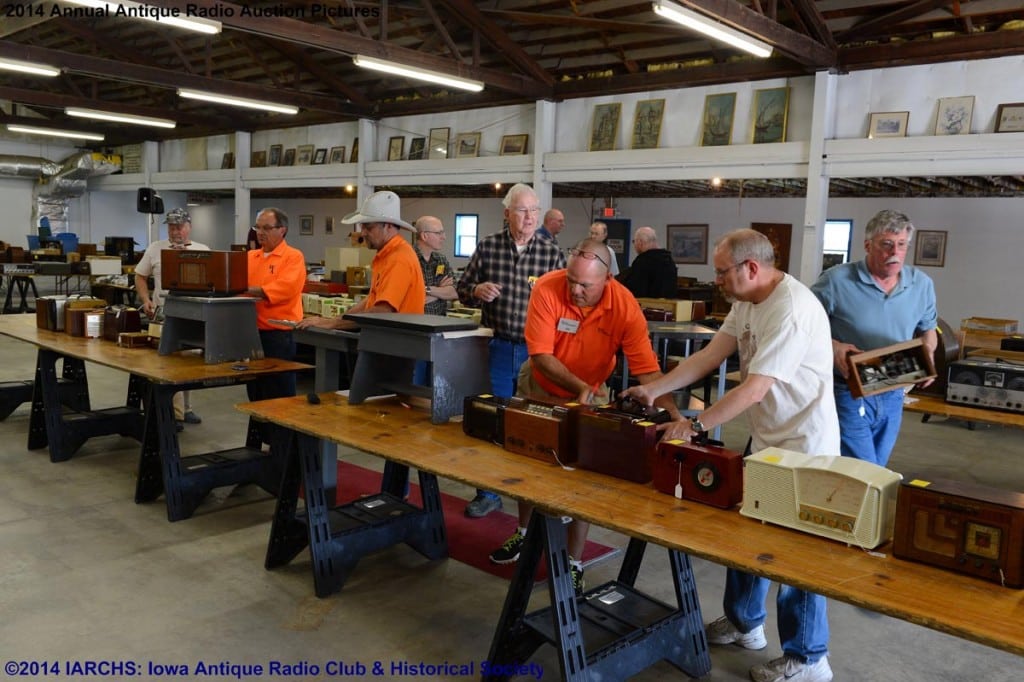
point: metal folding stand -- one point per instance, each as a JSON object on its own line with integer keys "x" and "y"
{"x": 186, "y": 481}
{"x": 338, "y": 537}
{"x": 65, "y": 430}
{"x": 610, "y": 633}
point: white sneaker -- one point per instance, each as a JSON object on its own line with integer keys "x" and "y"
{"x": 722, "y": 631}
{"x": 792, "y": 669}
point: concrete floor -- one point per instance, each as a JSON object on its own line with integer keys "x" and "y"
{"x": 88, "y": 575}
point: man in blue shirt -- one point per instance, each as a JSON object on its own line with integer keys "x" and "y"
{"x": 874, "y": 303}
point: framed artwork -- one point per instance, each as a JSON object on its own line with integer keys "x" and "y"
{"x": 437, "y": 143}
{"x": 228, "y": 160}
{"x": 304, "y": 155}
{"x": 512, "y": 145}
{"x": 688, "y": 243}
{"x": 337, "y": 155}
{"x": 396, "y": 148}
{"x": 467, "y": 145}
{"x": 355, "y": 151}
{"x": 305, "y": 224}
{"x": 321, "y": 156}
{"x": 276, "y": 151}
{"x": 647, "y": 123}
{"x": 781, "y": 236}
{"x": 329, "y": 225}
{"x": 258, "y": 159}
{"x": 1010, "y": 118}
{"x": 289, "y": 157}
{"x": 930, "y": 248}
{"x": 771, "y": 111}
{"x": 604, "y": 130}
{"x": 417, "y": 147}
{"x": 888, "y": 124}
{"x": 719, "y": 111}
{"x": 954, "y": 115}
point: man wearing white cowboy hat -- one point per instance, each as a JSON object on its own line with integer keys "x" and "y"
{"x": 397, "y": 280}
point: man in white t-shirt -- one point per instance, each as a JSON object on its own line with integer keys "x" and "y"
{"x": 179, "y": 226}
{"x": 782, "y": 334}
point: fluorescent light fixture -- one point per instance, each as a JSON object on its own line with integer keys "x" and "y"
{"x": 158, "y": 15}
{"x": 711, "y": 28}
{"x": 28, "y": 67}
{"x": 237, "y": 101}
{"x": 120, "y": 118}
{"x": 435, "y": 77}
{"x": 54, "y": 132}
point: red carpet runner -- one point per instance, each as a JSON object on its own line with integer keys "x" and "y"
{"x": 469, "y": 540}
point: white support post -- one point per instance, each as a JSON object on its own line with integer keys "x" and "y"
{"x": 543, "y": 142}
{"x": 816, "y": 206}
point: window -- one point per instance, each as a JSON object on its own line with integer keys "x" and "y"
{"x": 837, "y": 243}
{"x": 466, "y": 230}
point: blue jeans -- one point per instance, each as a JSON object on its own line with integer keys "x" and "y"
{"x": 276, "y": 344}
{"x": 422, "y": 373}
{"x": 868, "y": 427}
{"x": 504, "y": 359}
{"x": 802, "y": 617}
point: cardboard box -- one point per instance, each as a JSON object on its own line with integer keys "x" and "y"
{"x": 990, "y": 325}
{"x": 886, "y": 369}
{"x": 104, "y": 265}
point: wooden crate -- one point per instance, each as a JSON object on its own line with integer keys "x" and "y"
{"x": 892, "y": 367}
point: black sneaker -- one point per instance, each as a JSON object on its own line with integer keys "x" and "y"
{"x": 192, "y": 418}
{"x": 508, "y": 553}
{"x": 577, "y": 580}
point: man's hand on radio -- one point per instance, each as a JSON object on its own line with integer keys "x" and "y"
{"x": 677, "y": 430}
{"x": 639, "y": 394}
{"x": 840, "y": 351}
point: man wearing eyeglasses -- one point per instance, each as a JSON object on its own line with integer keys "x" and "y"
{"x": 277, "y": 273}
{"x": 437, "y": 271}
{"x": 782, "y": 334}
{"x": 578, "y": 320}
{"x": 179, "y": 230}
{"x": 653, "y": 272}
{"x": 874, "y": 303}
{"x": 498, "y": 279}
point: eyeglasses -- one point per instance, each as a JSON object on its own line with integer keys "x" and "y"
{"x": 523, "y": 212}
{"x": 726, "y": 271}
{"x": 431, "y": 231}
{"x": 266, "y": 228}
{"x": 890, "y": 245}
{"x": 587, "y": 255}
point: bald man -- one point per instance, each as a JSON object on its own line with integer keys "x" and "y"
{"x": 599, "y": 232}
{"x": 554, "y": 223}
{"x": 653, "y": 272}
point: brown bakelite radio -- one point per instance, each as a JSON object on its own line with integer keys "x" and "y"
{"x": 204, "y": 273}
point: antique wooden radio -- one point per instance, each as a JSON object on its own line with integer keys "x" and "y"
{"x": 885, "y": 369}
{"x": 618, "y": 439}
{"x": 483, "y": 416}
{"x": 74, "y": 316}
{"x": 118, "y": 319}
{"x": 540, "y": 430}
{"x": 965, "y": 527}
{"x": 204, "y": 273}
{"x": 702, "y": 472}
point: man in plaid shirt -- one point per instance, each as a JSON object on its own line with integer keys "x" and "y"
{"x": 498, "y": 279}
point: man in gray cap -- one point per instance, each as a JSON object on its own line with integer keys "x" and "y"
{"x": 179, "y": 227}
{"x": 397, "y": 280}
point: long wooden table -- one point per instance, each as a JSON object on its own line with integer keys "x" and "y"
{"x": 949, "y": 602}
{"x": 64, "y": 425}
{"x": 930, "y": 405}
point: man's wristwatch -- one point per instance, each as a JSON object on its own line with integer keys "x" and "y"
{"x": 696, "y": 425}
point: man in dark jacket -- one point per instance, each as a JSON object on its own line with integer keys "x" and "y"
{"x": 653, "y": 272}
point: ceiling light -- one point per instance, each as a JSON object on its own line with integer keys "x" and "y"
{"x": 55, "y": 132}
{"x": 414, "y": 72}
{"x": 711, "y": 28}
{"x": 165, "y": 16}
{"x": 237, "y": 101}
{"x": 28, "y": 67}
{"x": 120, "y": 118}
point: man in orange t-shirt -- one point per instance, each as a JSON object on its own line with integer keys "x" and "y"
{"x": 397, "y": 281}
{"x": 577, "y": 321}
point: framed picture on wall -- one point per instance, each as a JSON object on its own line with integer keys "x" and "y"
{"x": 888, "y": 124}
{"x": 512, "y": 145}
{"x": 258, "y": 159}
{"x": 396, "y": 148}
{"x": 289, "y": 157}
{"x": 228, "y": 160}
{"x": 604, "y": 130}
{"x": 437, "y": 143}
{"x": 1010, "y": 118}
{"x": 719, "y": 112}
{"x": 305, "y": 224}
{"x": 417, "y": 148}
{"x": 337, "y": 155}
{"x": 304, "y": 155}
{"x": 329, "y": 225}
{"x": 688, "y": 243}
{"x": 355, "y": 151}
{"x": 320, "y": 156}
{"x": 954, "y": 116}
{"x": 467, "y": 145}
{"x": 647, "y": 123}
{"x": 930, "y": 248}
{"x": 771, "y": 111}
{"x": 276, "y": 151}
{"x": 781, "y": 237}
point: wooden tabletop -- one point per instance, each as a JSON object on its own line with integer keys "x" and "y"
{"x": 145, "y": 362}
{"x": 929, "y": 404}
{"x": 959, "y": 605}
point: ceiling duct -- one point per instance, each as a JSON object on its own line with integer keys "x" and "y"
{"x": 33, "y": 167}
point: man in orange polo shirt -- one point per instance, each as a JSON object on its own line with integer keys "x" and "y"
{"x": 397, "y": 280}
{"x": 578, "y": 320}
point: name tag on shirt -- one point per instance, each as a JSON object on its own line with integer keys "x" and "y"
{"x": 568, "y": 326}
{"x": 440, "y": 269}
